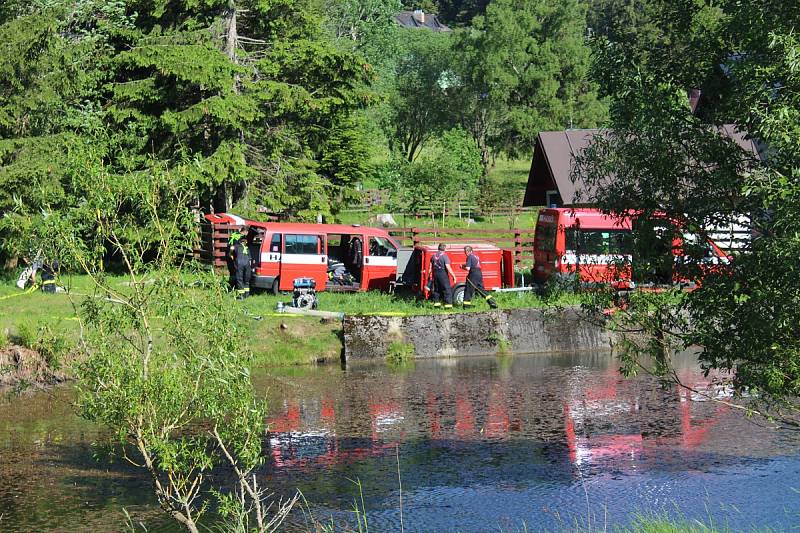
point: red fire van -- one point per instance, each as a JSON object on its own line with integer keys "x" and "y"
{"x": 283, "y": 252}
{"x": 598, "y": 248}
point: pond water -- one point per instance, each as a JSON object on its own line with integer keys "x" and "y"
{"x": 536, "y": 442}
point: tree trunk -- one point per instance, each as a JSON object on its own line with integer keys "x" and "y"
{"x": 239, "y": 190}
{"x": 485, "y": 162}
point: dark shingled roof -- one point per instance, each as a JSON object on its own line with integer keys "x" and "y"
{"x": 429, "y": 21}
{"x": 554, "y": 156}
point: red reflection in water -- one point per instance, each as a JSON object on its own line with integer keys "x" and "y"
{"x": 434, "y": 418}
{"x": 289, "y": 420}
{"x": 298, "y": 440}
{"x": 497, "y": 423}
{"x": 695, "y": 432}
{"x": 328, "y": 413}
{"x": 465, "y": 418}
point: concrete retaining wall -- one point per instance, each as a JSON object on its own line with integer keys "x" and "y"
{"x": 465, "y": 334}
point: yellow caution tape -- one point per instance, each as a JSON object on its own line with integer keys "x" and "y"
{"x": 6, "y": 297}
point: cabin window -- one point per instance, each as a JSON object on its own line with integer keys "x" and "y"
{"x": 545, "y": 237}
{"x": 303, "y": 244}
{"x": 380, "y": 246}
{"x": 697, "y": 248}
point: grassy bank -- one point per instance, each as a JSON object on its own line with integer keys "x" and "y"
{"x": 275, "y": 339}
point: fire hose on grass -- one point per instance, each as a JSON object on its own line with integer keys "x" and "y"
{"x": 488, "y": 297}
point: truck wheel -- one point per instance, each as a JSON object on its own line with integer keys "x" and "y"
{"x": 458, "y": 295}
{"x": 276, "y": 283}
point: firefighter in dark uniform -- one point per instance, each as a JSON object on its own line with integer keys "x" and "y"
{"x": 474, "y": 277}
{"x": 442, "y": 272}
{"x": 241, "y": 260}
{"x": 49, "y": 270}
{"x": 232, "y": 240}
{"x": 355, "y": 258}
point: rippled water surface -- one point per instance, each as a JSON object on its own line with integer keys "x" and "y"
{"x": 540, "y": 441}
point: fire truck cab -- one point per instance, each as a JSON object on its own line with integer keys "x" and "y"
{"x": 600, "y": 249}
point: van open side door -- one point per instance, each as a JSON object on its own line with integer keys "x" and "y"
{"x": 303, "y": 257}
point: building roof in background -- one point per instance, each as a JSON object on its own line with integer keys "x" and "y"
{"x": 554, "y": 157}
{"x": 420, "y": 19}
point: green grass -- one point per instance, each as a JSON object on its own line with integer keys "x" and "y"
{"x": 505, "y": 171}
{"x": 522, "y": 220}
{"x": 275, "y": 339}
{"x": 400, "y": 352}
{"x": 513, "y": 171}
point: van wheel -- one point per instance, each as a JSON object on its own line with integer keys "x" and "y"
{"x": 275, "y": 287}
{"x": 458, "y": 295}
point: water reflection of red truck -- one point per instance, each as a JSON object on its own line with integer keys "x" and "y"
{"x": 600, "y": 423}
{"x": 592, "y": 408}
{"x": 282, "y": 252}
{"x": 601, "y": 249}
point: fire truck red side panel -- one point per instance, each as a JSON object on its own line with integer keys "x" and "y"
{"x": 491, "y": 258}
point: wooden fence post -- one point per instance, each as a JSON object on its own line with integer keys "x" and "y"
{"x": 415, "y": 236}
{"x": 517, "y": 246}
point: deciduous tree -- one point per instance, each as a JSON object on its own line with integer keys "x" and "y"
{"x": 744, "y": 317}
{"x": 523, "y": 68}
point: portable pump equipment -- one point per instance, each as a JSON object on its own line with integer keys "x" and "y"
{"x": 304, "y": 294}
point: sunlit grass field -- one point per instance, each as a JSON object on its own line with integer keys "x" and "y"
{"x": 275, "y": 338}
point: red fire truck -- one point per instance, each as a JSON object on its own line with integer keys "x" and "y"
{"x": 598, "y": 248}
{"x": 371, "y": 258}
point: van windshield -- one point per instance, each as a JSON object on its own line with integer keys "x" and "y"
{"x": 545, "y": 237}
{"x": 599, "y": 241}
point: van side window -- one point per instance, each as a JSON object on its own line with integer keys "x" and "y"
{"x": 303, "y": 244}
{"x": 275, "y": 243}
{"x": 599, "y": 242}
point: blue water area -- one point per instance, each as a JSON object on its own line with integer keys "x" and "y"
{"x": 553, "y": 442}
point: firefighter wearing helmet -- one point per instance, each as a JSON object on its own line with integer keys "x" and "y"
{"x": 240, "y": 255}
{"x": 442, "y": 272}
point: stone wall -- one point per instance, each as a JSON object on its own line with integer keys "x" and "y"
{"x": 465, "y": 334}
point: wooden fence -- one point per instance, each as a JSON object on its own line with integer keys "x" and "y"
{"x": 519, "y": 241}
{"x": 464, "y": 212}
{"x": 214, "y": 243}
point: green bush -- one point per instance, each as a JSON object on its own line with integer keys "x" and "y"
{"x": 502, "y": 343}
{"x": 400, "y": 352}
{"x": 26, "y": 336}
{"x": 52, "y": 345}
